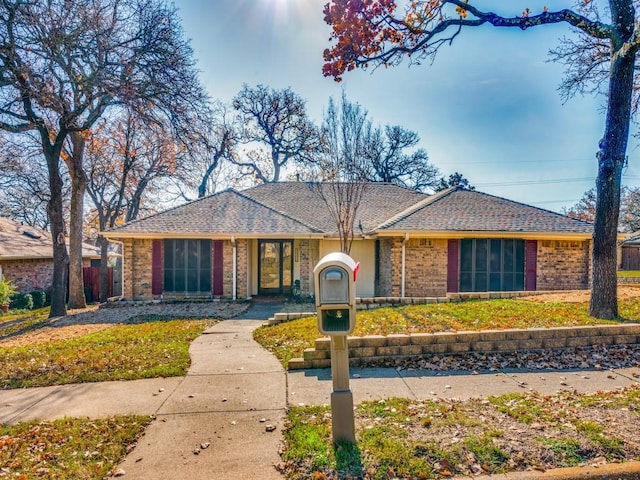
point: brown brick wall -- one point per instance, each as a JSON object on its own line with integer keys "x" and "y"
{"x": 28, "y": 275}
{"x": 563, "y": 265}
{"x": 305, "y": 268}
{"x": 242, "y": 247}
{"x": 227, "y": 269}
{"x": 389, "y": 266}
{"x": 426, "y": 267}
{"x": 136, "y": 269}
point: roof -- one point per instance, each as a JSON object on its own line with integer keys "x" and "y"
{"x": 297, "y": 209}
{"x": 460, "y": 210}
{"x": 19, "y": 242}
{"x": 303, "y": 200}
{"x": 225, "y": 213}
{"x": 632, "y": 239}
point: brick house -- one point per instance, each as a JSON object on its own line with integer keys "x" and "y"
{"x": 26, "y": 255}
{"x": 266, "y": 240}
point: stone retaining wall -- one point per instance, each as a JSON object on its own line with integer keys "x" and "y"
{"x": 377, "y": 348}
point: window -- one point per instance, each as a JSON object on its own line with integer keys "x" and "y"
{"x": 491, "y": 265}
{"x": 187, "y": 266}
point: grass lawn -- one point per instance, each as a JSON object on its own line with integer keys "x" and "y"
{"x": 628, "y": 273}
{"x": 121, "y": 352}
{"x": 404, "y": 439}
{"x": 16, "y": 322}
{"x": 70, "y": 448}
{"x": 288, "y": 340}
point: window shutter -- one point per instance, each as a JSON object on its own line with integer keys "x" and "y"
{"x": 156, "y": 267}
{"x": 453, "y": 253}
{"x": 530, "y": 264}
{"x": 218, "y": 267}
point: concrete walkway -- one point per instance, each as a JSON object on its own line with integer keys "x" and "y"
{"x": 217, "y": 421}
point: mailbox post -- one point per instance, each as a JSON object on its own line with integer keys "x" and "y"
{"x": 335, "y": 292}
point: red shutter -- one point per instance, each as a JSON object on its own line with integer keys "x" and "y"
{"x": 218, "y": 267}
{"x": 156, "y": 268}
{"x": 530, "y": 264}
{"x": 453, "y": 255}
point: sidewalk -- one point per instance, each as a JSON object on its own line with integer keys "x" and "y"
{"x": 235, "y": 390}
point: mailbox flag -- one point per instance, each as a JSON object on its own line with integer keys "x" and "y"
{"x": 355, "y": 271}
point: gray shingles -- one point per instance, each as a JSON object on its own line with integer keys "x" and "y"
{"x": 224, "y": 213}
{"x": 466, "y": 210}
{"x": 295, "y": 208}
{"x": 36, "y": 243}
{"x": 300, "y": 200}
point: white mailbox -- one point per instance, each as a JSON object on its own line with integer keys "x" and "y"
{"x": 335, "y": 290}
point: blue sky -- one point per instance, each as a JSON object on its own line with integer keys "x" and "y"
{"x": 488, "y": 107}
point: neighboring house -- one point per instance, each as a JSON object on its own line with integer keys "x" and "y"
{"x": 26, "y": 255}
{"x": 629, "y": 254}
{"x": 267, "y": 239}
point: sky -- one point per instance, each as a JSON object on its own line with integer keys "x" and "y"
{"x": 488, "y": 107}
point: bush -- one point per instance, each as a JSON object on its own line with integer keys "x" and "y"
{"x": 7, "y": 290}
{"x": 39, "y": 298}
{"x": 21, "y": 301}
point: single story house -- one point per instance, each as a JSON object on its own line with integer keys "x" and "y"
{"x": 26, "y": 255}
{"x": 267, "y": 239}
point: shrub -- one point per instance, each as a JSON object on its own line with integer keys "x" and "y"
{"x": 39, "y": 298}
{"x": 7, "y": 290}
{"x": 21, "y": 301}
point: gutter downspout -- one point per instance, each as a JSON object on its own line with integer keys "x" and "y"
{"x": 234, "y": 269}
{"x": 402, "y": 281}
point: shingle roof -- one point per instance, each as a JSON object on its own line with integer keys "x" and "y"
{"x": 301, "y": 200}
{"x": 457, "y": 209}
{"x": 225, "y": 213}
{"x": 296, "y": 208}
{"x": 22, "y": 241}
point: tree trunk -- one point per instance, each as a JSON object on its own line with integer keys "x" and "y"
{"x": 104, "y": 269}
{"x": 611, "y": 160}
{"x": 56, "y": 218}
{"x": 78, "y": 186}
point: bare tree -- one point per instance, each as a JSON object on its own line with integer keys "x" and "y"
{"x": 630, "y": 212}
{"x": 387, "y": 159}
{"x": 585, "y": 209}
{"x": 24, "y": 192}
{"x": 629, "y": 221}
{"x": 276, "y": 132}
{"x": 346, "y": 132}
{"x": 214, "y": 140}
{"x": 603, "y": 59}
{"x": 126, "y": 158}
{"x": 64, "y": 62}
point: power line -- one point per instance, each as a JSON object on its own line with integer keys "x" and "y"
{"x": 534, "y": 182}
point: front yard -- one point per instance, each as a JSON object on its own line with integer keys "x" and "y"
{"x": 288, "y": 340}
{"x": 396, "y": 438}
{"x": 117, "y": 352}
{"x": 401, "y": 439}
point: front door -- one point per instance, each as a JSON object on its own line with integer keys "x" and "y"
{"x": 275, "y": 268}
